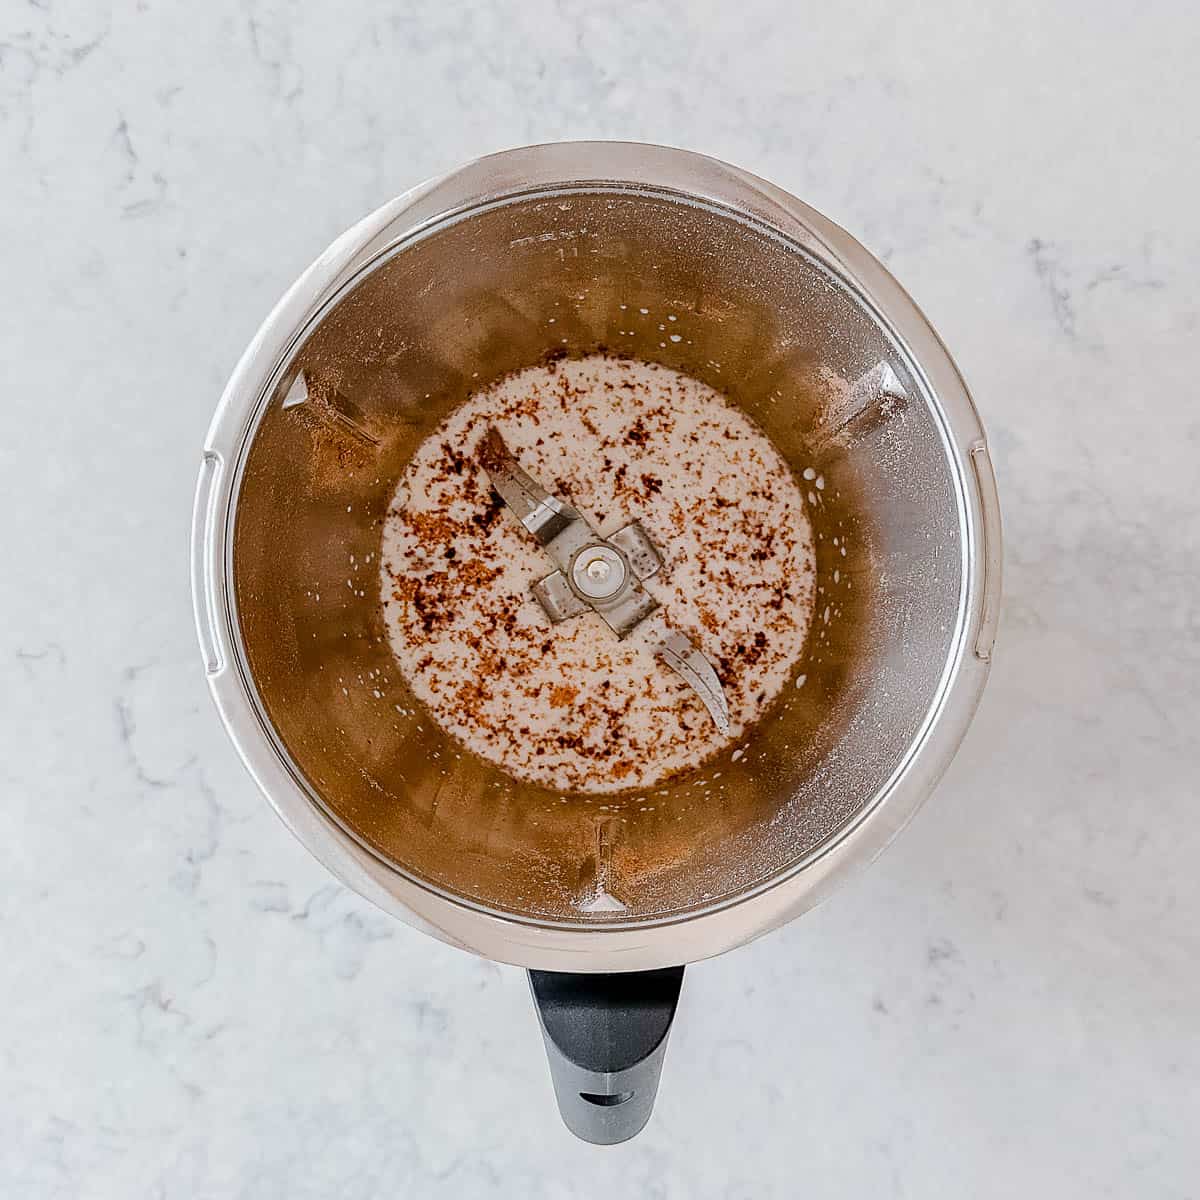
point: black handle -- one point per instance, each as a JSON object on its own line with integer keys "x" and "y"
{"x": 606, "y": 1037}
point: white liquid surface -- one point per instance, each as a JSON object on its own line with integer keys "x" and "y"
{"x": 569, "y": 706}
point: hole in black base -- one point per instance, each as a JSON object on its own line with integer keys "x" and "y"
{"x": 606, "y": 1101}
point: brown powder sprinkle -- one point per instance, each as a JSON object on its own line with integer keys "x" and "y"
{"x": 570, "y": 706}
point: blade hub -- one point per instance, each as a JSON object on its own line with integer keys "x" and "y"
{"x": 598, "y": 572}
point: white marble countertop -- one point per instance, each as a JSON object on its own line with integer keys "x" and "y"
{"x": 1006, "y": 1004}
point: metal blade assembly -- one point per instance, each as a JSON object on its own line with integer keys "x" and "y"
{"x": 603, "y": 575}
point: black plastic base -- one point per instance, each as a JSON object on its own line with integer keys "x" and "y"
{"x": 606, "y": 1037}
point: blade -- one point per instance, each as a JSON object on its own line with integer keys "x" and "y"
{"x": 643, "y": 557}
{"x": 563, "y": 532}
{"x": 544, "y": 515}
{"x": 556, "y": 598}
{"x": 686, "y": 660}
